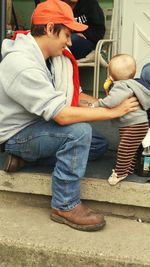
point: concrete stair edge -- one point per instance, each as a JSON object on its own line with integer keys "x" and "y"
{"x": 31, "y": 255}
{"x": 29, "y": 238}
{"x": 125, "y": 193}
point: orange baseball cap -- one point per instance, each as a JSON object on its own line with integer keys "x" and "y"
{"x": 57, "y": 12}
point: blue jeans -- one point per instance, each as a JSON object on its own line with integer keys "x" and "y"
{"x": 80, "y": 46}
{"x": 145, "y": 75}
{"x": 69, "y": 145}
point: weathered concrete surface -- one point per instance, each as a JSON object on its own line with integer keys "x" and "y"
{"x": 126, "y": 193}
{"x": 28, "y": 238}
{"x": 111, "y": 209}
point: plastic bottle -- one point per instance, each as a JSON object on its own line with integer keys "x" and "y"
{"x": 142, "y": 167}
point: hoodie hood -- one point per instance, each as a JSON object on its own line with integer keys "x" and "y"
{"x": 23, "y": 43}
{"x": 141, "y": 92}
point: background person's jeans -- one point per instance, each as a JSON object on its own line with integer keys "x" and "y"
{"x": 70, "y": 146}
{"x": 99, "y": 145}
{"x": 80, "y": 46}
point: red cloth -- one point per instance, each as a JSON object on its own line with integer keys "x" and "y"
{"x": 68, "y": 54}
{"x": 76, "y": 82}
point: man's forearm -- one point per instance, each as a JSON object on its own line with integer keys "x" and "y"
{"x": 87, "y": 101}
{"x": 71, "y": 115}
{"x": 81, "y": 114}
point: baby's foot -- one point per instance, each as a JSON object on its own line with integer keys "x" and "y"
{"x": 114, "y": 179}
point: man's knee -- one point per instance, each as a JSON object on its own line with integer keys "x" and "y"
{"x": 82, "y": 131}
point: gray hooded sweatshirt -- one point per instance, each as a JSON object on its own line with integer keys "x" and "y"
{"x": 122, "y": 90}
{"x": 27, "y": 93}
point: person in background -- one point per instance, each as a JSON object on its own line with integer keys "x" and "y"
{"x": 133, "y": 126}
{"x": 90, "y": 13}
{"x": 145, "y": 80}
{"x": 43, "y": 113}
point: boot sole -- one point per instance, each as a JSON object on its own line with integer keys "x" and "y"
{"x": 87, "y": 228}
{"x": 7, "y": 163}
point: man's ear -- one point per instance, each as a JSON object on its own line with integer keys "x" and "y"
{"x": 49, "y": 28}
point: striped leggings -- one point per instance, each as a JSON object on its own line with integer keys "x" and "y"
{"x": 130, "y": 140}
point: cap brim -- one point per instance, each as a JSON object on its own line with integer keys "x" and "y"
{"x": 76, "y": 26}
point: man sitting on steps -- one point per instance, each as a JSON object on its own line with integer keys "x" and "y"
{"x": 41, "y": 114}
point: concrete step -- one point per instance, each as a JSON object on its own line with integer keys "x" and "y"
{"x": 128, "y": 199}
{"x": 28, "y": 238}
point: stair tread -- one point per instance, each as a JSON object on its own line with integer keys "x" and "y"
{"x": 30, "y": 231}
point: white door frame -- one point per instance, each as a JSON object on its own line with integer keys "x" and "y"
{"x": 132, "y": 36}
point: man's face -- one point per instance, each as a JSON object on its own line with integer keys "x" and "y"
{"x": 59, "y": 42}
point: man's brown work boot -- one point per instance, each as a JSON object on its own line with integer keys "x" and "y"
{"x": 81, "y": 218}
{"x": 13, "y": 163}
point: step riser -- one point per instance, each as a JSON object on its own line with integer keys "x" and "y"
{"x": 41, "y": 201}
{"x": 125, "y": 193}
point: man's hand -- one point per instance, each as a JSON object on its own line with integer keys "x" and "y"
{"x": 129, "y": 105}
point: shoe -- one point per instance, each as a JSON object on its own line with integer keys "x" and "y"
{"x": 113, "y": 179}
{"x": 13, "y": 163}
{"x": 81, "y": 218}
